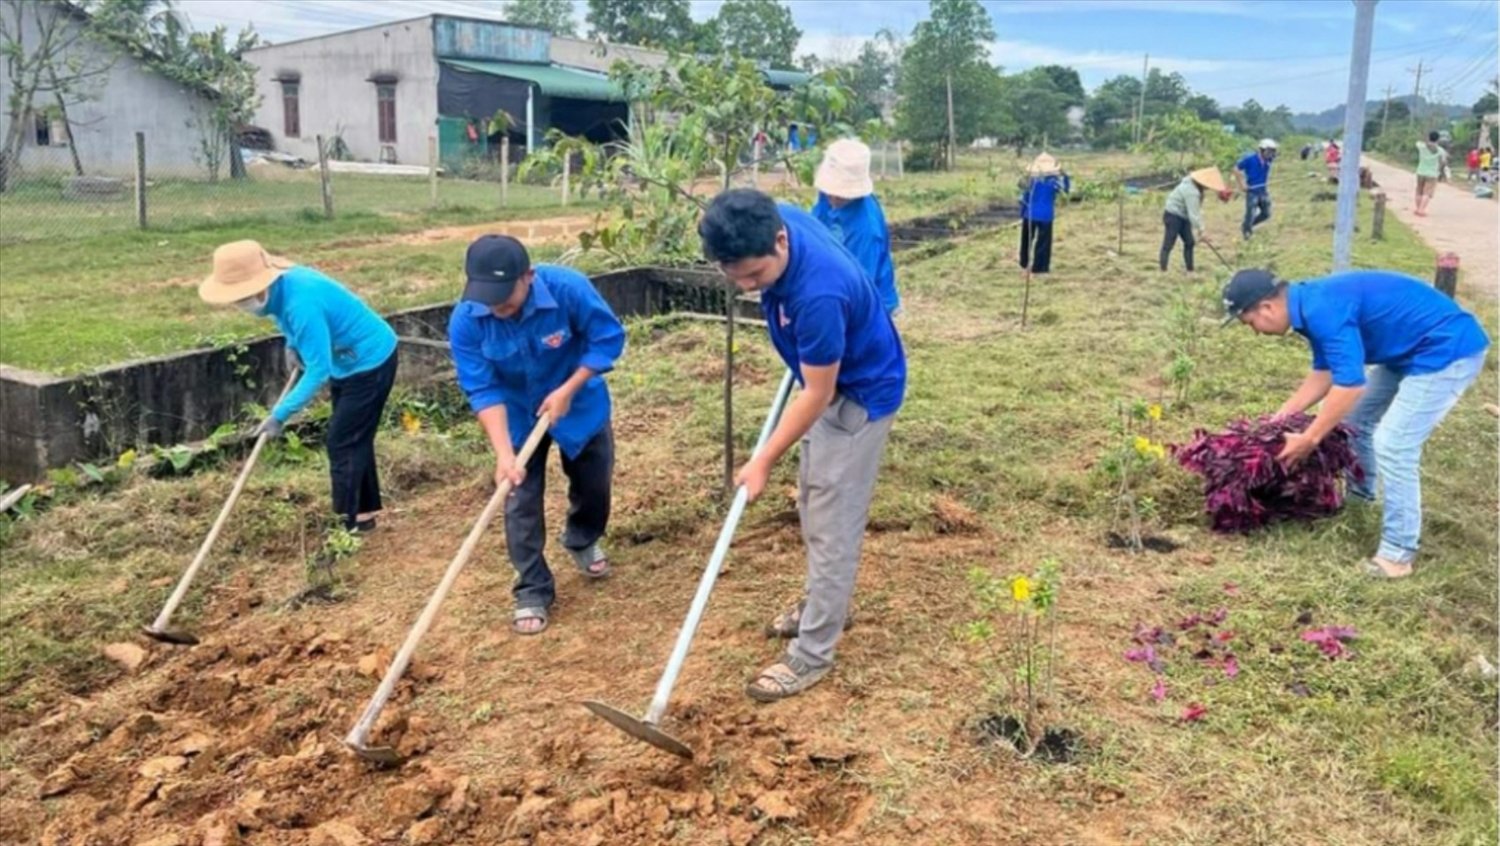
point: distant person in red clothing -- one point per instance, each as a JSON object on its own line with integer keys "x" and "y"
{"x": 1331, "y": 159}
{"x": 1473, "y": 162}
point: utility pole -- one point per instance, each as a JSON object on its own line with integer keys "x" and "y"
{"x": 1385, "y": 111}
{"x": 1140, "y": 109}
{"x": 1354, "y": 130}
{"x": 1416, "y": 91}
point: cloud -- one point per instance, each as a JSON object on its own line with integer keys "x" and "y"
{"x": 1019, "y": 55}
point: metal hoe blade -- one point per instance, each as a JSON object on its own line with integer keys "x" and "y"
{"x": 168, "y": 636}
{"x": 646, "y": 728}
{"x": 639, "y": 729}
{"x": 384, "y": 756}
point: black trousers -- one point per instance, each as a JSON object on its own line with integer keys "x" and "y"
{"x": 1036, "y": 245}
{"x": 1177, "y": 227}
{"x": 590, "y": 476}
{"x": 358, "y": 406}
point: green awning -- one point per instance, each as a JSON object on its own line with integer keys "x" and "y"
{"x": 554, "y": 81}
{"x": 785, "y": 78}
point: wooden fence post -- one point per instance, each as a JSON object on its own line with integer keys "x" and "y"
{"x": 432, "y": 167}
{"x": 900, "y": 161}
{"x": 1120, "y": 205}
{"x": 505, "y": 172}
{"x": 323, "y": 176}
{"x": 1377, "y": 227}
{"x": 140, "y": 179}
{"x": 567, "y": 169}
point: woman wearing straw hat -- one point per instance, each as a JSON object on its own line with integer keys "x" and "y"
{"x": 1183, "y": 217}
{"x": 1039, "y": 190}
{"x": 340, "y": 341}
{"x": 847, "y": 206}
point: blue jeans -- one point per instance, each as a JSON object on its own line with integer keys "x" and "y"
{"x": 1257, "y": 209}
{"x": 1391, "y": 423}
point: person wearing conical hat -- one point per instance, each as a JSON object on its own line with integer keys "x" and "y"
{"x": 1044, "y": 180}
{"x": 847, "y": 206}
{"x": 1183, "y": 217}
{"x": 341, "y": 342}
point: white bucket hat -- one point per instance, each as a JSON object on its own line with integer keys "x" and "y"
{"x": 1043, "y": 165}
{"x": 845, "y": 170}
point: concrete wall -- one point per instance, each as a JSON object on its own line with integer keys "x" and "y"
{"x": 127, "y": 99}
{"x": 489, "y": 41}
{"x": 337, "y": 93}
{"x": 590, "y": 55}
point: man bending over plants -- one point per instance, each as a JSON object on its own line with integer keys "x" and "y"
{"x": 827, "y": 323}
{"x": 528, "y": 341}
{"x": 1422, "y": 353}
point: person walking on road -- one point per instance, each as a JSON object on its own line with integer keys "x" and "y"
{"x": 1183, "y": 217}
{"x": 1044, "y": 180}
{"x": 1253, "y": 176}
{"x": 827, "y": 323}
{"x": 1391, "y": 355}
{"x": 532, "y": 341}
{"x": 1431, "y": 159}
{"x": 340, "y": 342}
{"x": 848, "y": 207}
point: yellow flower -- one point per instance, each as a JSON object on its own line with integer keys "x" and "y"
{"x": 410, "y": 422}
{"x": 1142, "y": 444}
{"x": 1153, "y": 411}
{"x": 1159, "y": 451}
{"x": 1020, "y": 589}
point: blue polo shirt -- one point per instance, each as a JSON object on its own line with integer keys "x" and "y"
{"x": 1039, "y": 199}
{"x": 1257, "y": 171}
{"x": 860, "y": 226}
{"x": 824, "y": 311}
{"x": 334, "y": 333}
{"x": 563, "y": 325}
{"x": 1362, "y": 317}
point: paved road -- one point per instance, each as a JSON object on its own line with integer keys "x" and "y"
{"x": 1455, "y": 222}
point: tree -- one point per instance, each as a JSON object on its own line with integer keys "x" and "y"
{"x": 1065, "y": 80}
{"x": 948, "y": 87}
{"x": 1204, "y": 106}
{"x": 1486, "y": 105}
{"x": 555, "y": 16}
{"x": 1035, "y": 108}
{"x": 57, "y": 54}
{"x": 1165, "y": 93}
{"x": 1111, "y": 109}
{"x": 664, "y": 24}
{"x": 759, "y": 30}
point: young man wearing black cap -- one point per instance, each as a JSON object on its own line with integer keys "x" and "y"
{"x": 529, "y": 341}
{"x": 827, "y": 323}
{"x": 1423, "y": 352}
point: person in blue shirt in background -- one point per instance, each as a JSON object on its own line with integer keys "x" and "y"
{"x": 847, "y": 206}
{"x": 1044, "y": 180}
{"x": 1422, "y": 351}
{"x": 340, "y": 341}
{"x": 829, "y": 326}
{"x": 532, "y": 341}
{"x": 1253, "y": 174}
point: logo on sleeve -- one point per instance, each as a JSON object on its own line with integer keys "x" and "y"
{"x": 781, "y": 316}
{"x": 555, "y": 340}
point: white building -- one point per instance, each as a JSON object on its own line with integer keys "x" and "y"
{"x": 124, "y": 97}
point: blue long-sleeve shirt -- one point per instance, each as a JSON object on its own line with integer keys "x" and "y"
{"x": 860, "y": 225}
{"x": 516, "y": 362}
{"x": 1381, "y": 317}
{"x": 334, "y": 333}
{"x": 1038, "y": 200}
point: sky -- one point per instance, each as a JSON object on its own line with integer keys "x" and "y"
{"x": 1292, "y": 52}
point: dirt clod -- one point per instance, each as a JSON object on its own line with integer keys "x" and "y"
{"x": 60, "y": 780}
{"x": 127, "y": 655}
{"x": 777, "y": 806}
{"x": 337, "y": 833}
{"x": 586, "y": 811}
{"x": 425, "y": 832}
{"x": 162, "y": 766}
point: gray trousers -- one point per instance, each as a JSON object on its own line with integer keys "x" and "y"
{"x": 836, "y": 479}
{"x": 589, "y": 478}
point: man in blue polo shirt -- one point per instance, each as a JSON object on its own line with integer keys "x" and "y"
{"x": 827, "y": 323}
{"x": 1423, "y": 352}
{"x": 1253, "y": 173}
{"x": 529, "y": 342}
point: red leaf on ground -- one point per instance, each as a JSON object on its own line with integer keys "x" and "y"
{"x": 1193, "y": 712}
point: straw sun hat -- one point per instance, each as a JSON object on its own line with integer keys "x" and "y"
{"x": 845, "y": 170}
{"x": 241, "y": 269}
{"x": 1210, "y": 178}
{"x": 1042, "y": 165}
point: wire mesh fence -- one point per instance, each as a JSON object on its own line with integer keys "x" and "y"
{"x": 47, "y": 197}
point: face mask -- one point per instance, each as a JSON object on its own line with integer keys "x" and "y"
{"x": 252, "y": 305}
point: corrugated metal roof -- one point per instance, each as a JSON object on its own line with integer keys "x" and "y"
{"x": 553, "y": 80}
{"x": 785, "y": 78}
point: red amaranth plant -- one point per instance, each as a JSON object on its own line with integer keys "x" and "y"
{"x": 1246, "y": 488}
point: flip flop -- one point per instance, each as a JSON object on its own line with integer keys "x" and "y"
{"x": 521, "y": 614}
{"x": 788, "y": 623}
{"x": 788, "y": 677}
{"x": 586, "y": 558}
{"x": 1374, "y": 568}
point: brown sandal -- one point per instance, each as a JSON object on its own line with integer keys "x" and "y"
{"x": 788, "y": 623}
{"x": 788, "y": 677}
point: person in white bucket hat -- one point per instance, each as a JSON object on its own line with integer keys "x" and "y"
{"x": 847, "y": 206}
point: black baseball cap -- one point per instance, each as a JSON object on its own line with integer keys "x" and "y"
{"x": 1245, "y": 289}
{"x": 493, "y": 266}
